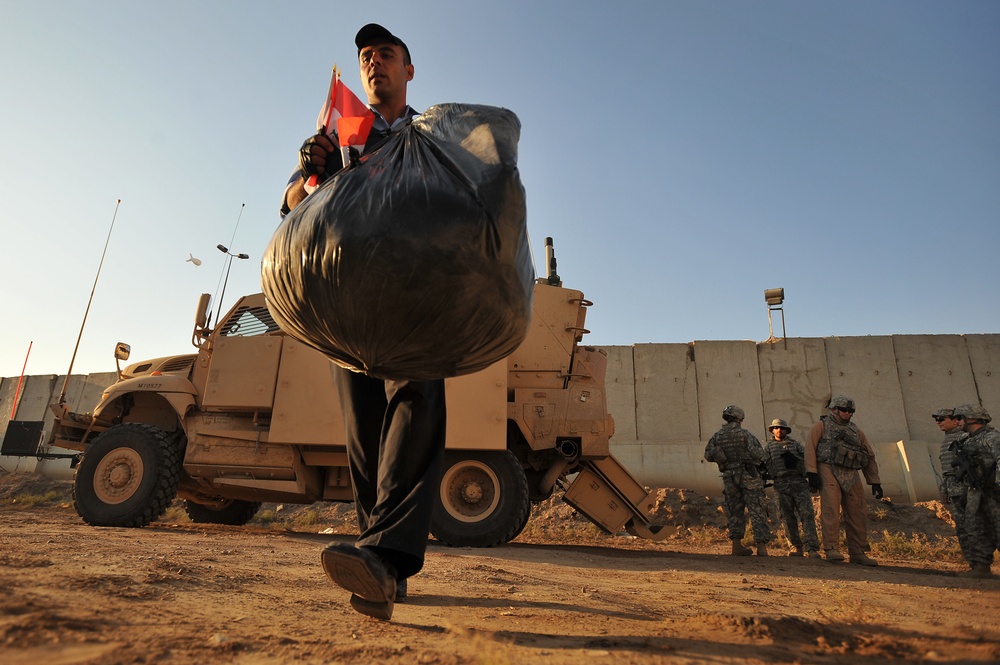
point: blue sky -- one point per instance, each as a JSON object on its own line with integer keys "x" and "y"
{"x": 685, "y": 156}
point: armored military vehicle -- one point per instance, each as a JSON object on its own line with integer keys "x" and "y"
{"x": 252, "y": 416}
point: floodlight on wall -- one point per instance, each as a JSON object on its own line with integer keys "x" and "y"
{"x": 774, "y": 299}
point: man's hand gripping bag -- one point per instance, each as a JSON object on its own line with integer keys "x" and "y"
{"x": 414, "y": 263}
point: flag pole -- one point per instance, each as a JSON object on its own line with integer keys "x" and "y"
{"x": 335, "y": 81}
{"x": 323, "y": 123}
{"x": 62, "y": 394}
{"x": 17, "y": 392}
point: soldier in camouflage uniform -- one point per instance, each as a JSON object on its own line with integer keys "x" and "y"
{"x": 836, "y": 449}
{"x": 954, "y": 494}
{"x": 974, "y": 459}
{"x": 740, "y": 458}
{"x": 952, "y": 428}
{"x": 786, "y": 464}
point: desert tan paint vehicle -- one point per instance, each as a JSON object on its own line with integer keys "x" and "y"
{"x": 253, "y": 417}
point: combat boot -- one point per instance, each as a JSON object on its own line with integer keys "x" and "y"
{"x": 834, "y": 555}
{"x": 977, "y": 572}
{"x": 762, "y": 550}
{"x": 863, "y": 559}
{"x": 796, "y": 552}
{"x": 739, "y": 550}
{"x": 813, "y": 554}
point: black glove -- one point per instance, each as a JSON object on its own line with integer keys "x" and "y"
{"x": 790, "y": 460}
{"x": 814, "y": 481}
{"x": 877, "y": 491}
{"x": 315, "y": 154}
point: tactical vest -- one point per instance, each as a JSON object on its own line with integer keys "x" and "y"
{"x": 733, "y": 444}
{"x": 947, "y": 454}
{"x": 776, "y": 465}
{"x": 841, "y": 445}
{"x": 984, "y": 445}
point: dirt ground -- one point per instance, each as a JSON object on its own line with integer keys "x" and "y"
{"x": 178, "y": 592}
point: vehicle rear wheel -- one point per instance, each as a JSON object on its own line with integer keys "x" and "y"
{"x": 483, "y": 499}
{"x": 232, "y": 512}
{"x": 128, "y": 476}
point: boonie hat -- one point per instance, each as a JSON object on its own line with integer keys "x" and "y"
{"x": 778, "y": 422}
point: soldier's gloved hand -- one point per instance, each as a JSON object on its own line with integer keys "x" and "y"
{"x": 814, "y": 481}
{"x": 877, "y": 491}
{"x": 789, "y": 459}
{"x": 314, "y": 155}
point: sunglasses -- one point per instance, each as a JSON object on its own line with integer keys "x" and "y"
{"x": 845, "y": 410}
{"x": 939, "y": 419}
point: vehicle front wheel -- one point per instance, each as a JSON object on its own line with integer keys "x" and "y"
{"x": 128, "y": 476}
{"x": 483, "y": 499}
{"x": 232, "y": 512}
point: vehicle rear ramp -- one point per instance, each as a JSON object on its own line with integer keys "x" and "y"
{"x": 609, "y": 496}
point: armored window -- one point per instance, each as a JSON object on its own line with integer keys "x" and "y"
{"x": 249, "y": 322}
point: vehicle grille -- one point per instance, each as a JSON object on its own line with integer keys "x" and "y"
{"x": 182, "y": 364}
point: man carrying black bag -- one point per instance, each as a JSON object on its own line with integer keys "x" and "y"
{"x": 395, "y": 428}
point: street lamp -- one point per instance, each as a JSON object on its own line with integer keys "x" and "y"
{"x": 229, "y": 264}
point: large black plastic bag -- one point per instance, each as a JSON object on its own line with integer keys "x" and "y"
{"x": 415, "y": 263}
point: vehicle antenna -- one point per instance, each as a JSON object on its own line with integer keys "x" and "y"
{"x": 62, "y": 394}
{"x": 20, "y": 381}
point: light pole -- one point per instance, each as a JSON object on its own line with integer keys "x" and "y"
{"x": 229, "y": 264}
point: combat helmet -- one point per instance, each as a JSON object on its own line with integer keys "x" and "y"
{"x": 778, "y": 422}
{"x": 733, "y": 412}
{"x": 943, "y": 413}
{"x": 841, "y": 402}
{"x": 973, "y": 412}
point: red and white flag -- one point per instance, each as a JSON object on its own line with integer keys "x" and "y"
{"x": 348, "y": 115}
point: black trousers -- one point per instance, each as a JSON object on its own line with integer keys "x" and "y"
{"x": 395, "y": 450}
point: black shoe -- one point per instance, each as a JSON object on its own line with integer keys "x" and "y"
{"x": 401, "y": 590}
{"x": 371, "y": 581}
{"x": 371, "y": 608}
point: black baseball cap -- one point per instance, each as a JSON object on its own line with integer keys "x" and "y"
{"x": 373, "y": 33}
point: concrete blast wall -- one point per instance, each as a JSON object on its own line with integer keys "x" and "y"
{"x": 83, "y": 392}
{"x": 667, "y": 400}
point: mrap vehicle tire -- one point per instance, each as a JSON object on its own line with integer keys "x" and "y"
{"x": 483, "y": 499}
{"x": 232, "y": 512}
{"x": 128, "y": 476}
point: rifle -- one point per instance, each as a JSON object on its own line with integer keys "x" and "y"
{"x": 966, "y": 468}
{"x": 759, "y": 470}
